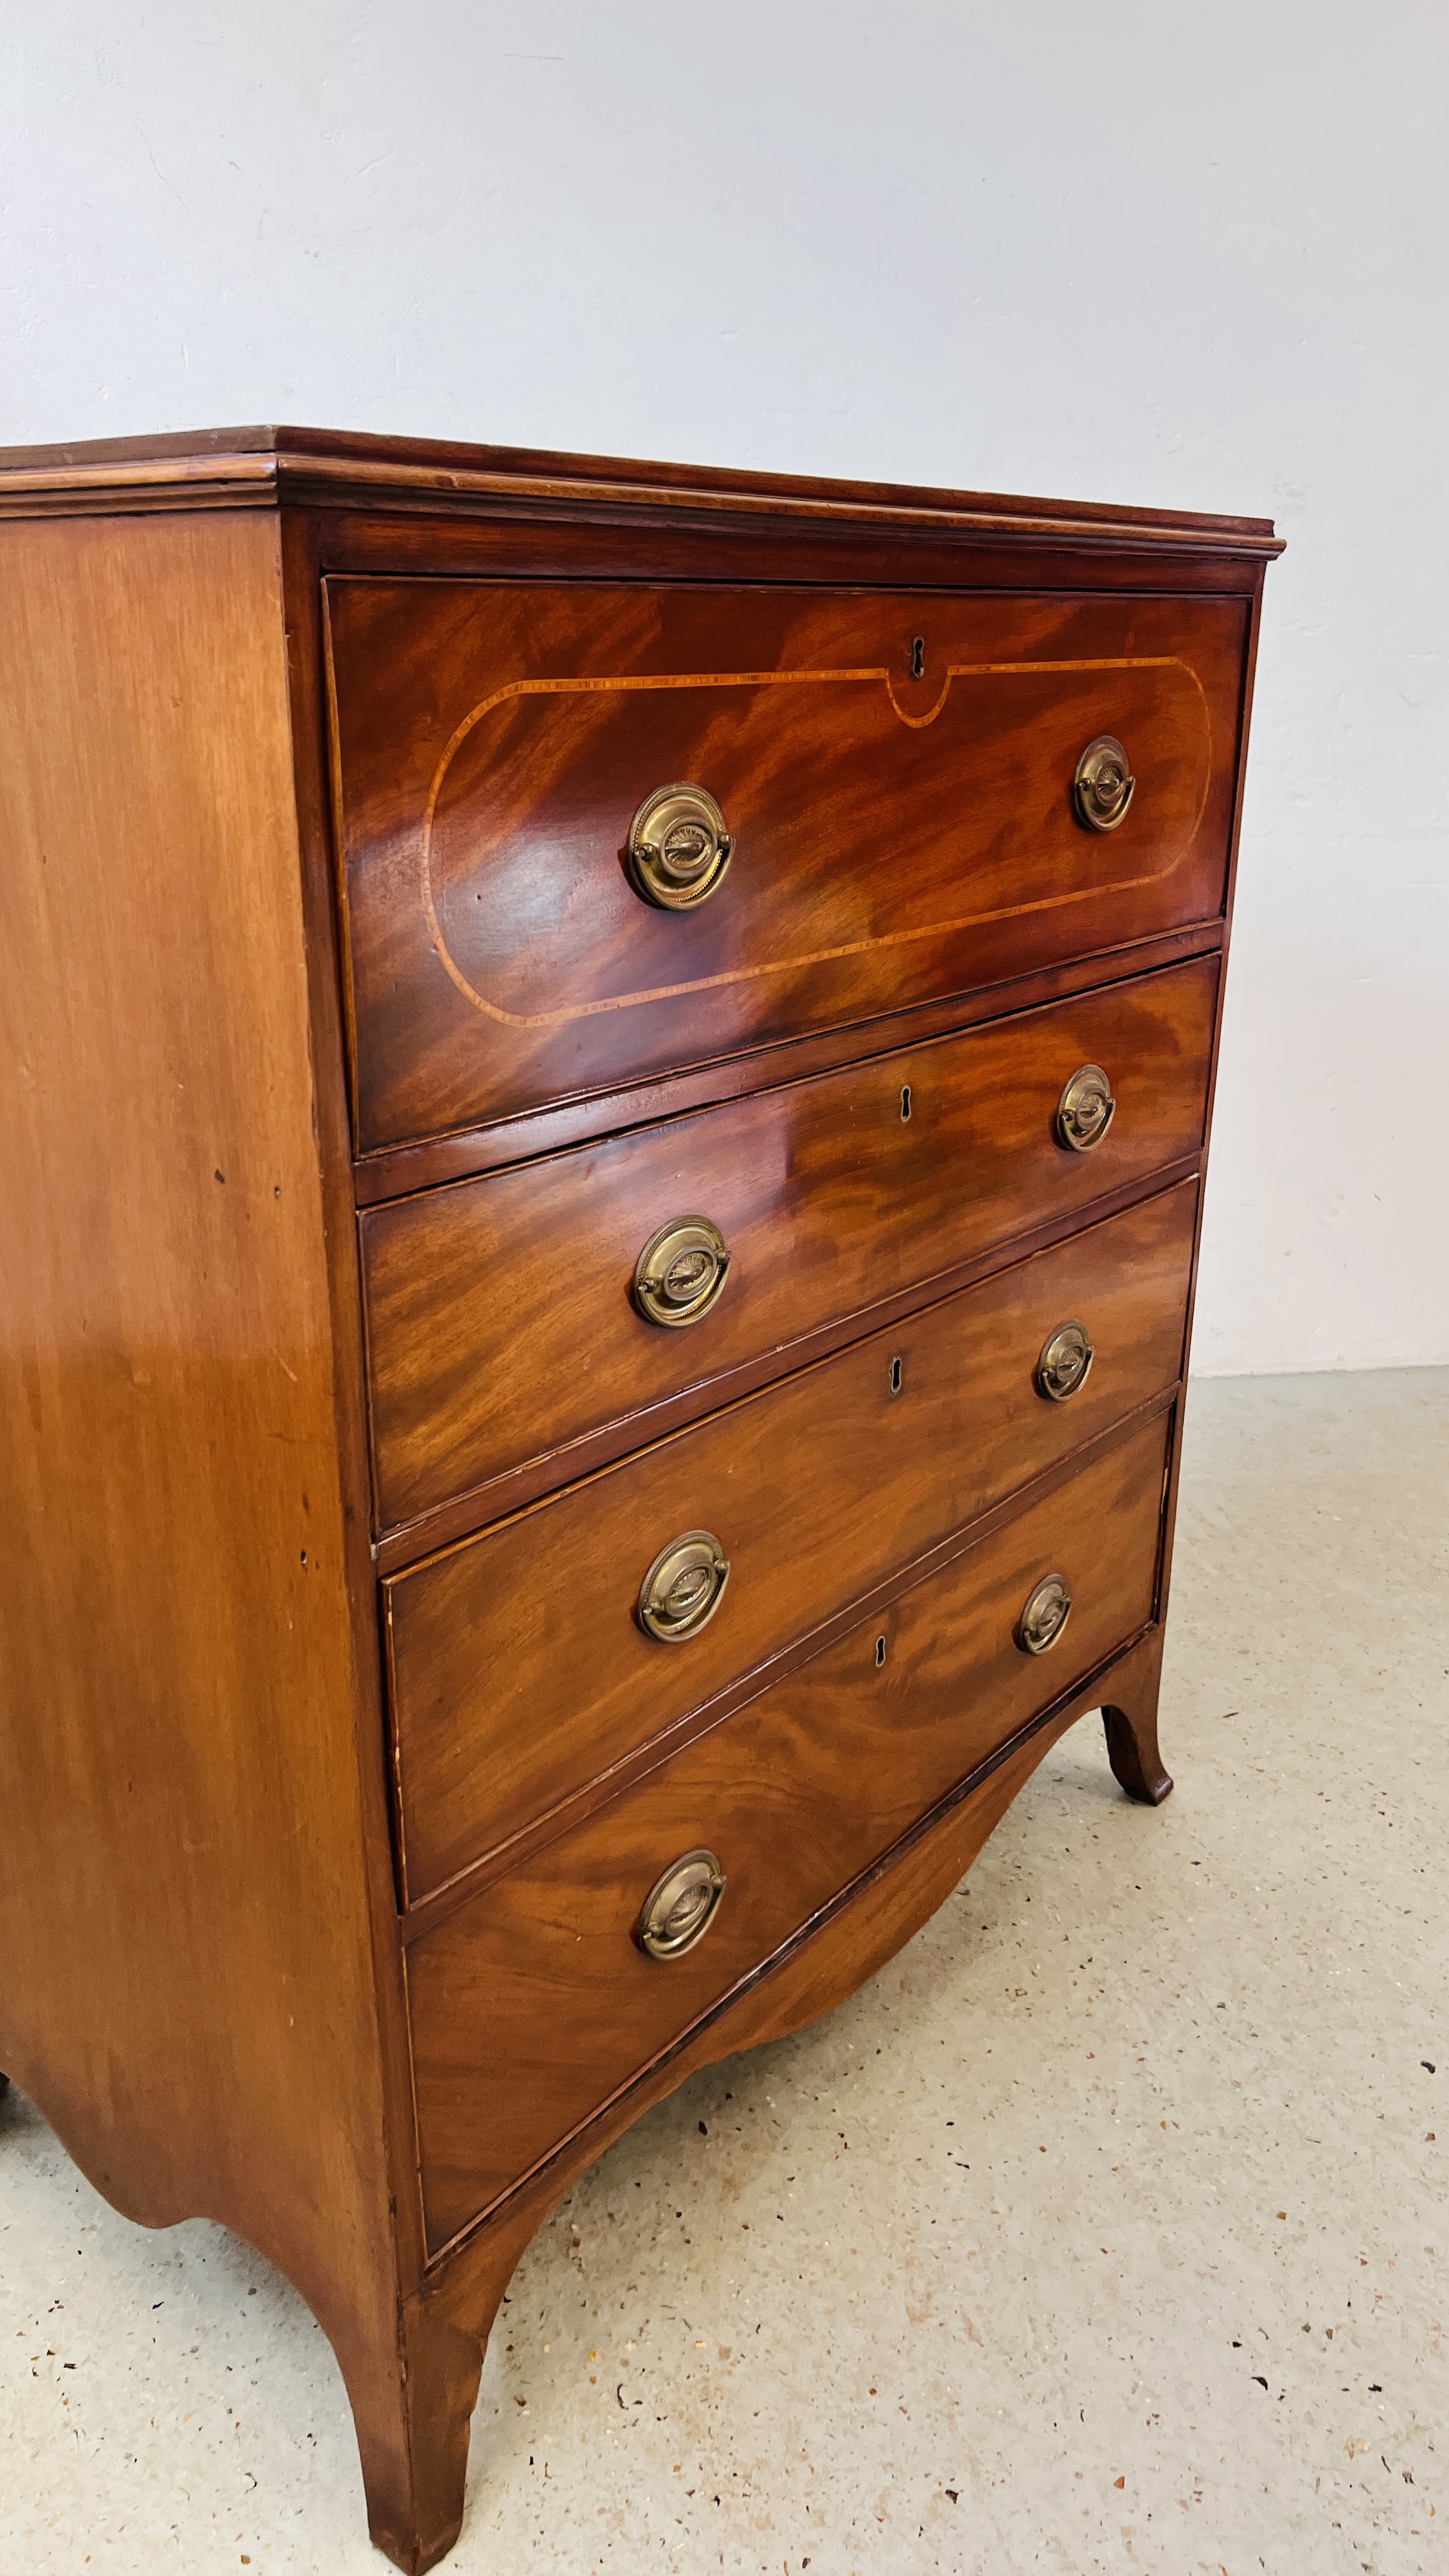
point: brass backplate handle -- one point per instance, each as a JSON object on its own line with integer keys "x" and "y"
{"x": 683, "y": 1587}
{"x": 1102, "y": 784}
{"x": 680, "y": 1906}
{"x": 681, "y": 1271}
{"x": 1085, "y": 1110}
{"x": 1048, "y": 1608}
{"x": 1065, "y": 1363}
{"x": 678, "y": 847}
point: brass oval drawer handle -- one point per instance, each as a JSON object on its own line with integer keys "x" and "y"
{"x": 681, "y": 1906}
{"x": 1047, "y": 1611}
{"x": 683, "y": 1587}
{"x": 1065, "y": 1363}
{"x": 1085, "y": 1110}
{"x": 1102, "y": 784}
{"x": 678, "y": 847}
{"x": 681, "y": 1271}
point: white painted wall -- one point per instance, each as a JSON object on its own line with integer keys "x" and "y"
{"x": 1132, "y": 252}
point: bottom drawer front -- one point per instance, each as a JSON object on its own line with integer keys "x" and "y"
{"x": 534, "y": 2004}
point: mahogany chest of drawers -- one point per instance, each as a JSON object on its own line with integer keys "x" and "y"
{"x": 609, "y": 1073}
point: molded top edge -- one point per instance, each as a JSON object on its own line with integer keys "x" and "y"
{"x": 260, "y": 466}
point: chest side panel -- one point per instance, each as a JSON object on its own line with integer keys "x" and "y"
{"x": 188, "y": 1983}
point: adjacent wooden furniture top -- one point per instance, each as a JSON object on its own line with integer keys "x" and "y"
{"x": 449, "y": 1693}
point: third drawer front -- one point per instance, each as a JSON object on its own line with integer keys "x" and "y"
{"x": 501, "y": 1323}
{"x": 535, "y": 2003}
{"x": 519, "y": 1666}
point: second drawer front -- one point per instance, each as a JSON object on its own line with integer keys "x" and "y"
{"x": 501, "y": 1324}
{"x": 519, "y": 1668}
{"x": 534, "y": 2004}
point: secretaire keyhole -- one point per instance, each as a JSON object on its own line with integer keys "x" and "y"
{"x": 897, "y": 1373}
{"x": 879, "y": 1652}
{"x": 905, "y": 1100}
{"x": 918, "y": 657}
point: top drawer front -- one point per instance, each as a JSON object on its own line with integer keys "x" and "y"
{"x": 894, "y": 840}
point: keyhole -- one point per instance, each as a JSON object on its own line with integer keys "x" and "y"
{"x": 905, "y": 1100}
{"x": 897, "y": 1373}
{"x": 918, "y": 657}
{"x": 879, "y": 1652}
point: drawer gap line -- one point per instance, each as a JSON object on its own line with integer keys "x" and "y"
{"x": 426, "y": 1912}
{"x": 405, "y": 1546}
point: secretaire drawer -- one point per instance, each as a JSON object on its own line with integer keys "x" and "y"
{"x": 529, "y": 917}
{"x": 521, "y": 1663}
{"x": 504, "y": 1322}
{"x": 791, "y": 1798}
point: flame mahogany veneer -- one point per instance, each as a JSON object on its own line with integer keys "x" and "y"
{"x": 354, "y": 1071}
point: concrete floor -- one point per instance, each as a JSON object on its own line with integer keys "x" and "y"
{"x": 1102, "y": 2231}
